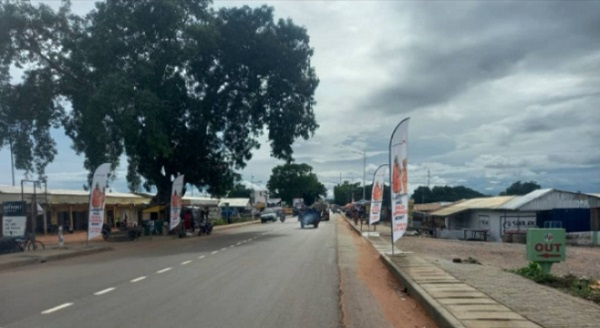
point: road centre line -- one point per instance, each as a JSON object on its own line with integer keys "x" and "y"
{"x": 215, "y": 252}
{"x": 186, "y": 262}
{"x": 54, "y": 309}
{"x": 239, "y": 243}
{"x": 224, "y": 249}
{"x": 164, "y": 270}
{"x": 138, "y": 279}
{"x": 201, "y": 257}
{"x": 107, "y": 290}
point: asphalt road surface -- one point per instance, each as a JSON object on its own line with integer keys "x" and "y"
{"x": 262, "y": 275}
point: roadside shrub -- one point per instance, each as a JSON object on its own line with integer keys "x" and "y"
{"x": 472, "y": 260}
{"x": 571, "y": 284}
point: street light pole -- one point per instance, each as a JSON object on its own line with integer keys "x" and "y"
{"x": 12, "y": 162}
{"x": 364, "y": 153}
{"x": 364, "y": 172}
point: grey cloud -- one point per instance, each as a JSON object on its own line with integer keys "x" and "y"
{"x": 457, "y": 46}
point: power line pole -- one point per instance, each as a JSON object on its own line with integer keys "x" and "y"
{"x": 428, "y": 178}
{"x": 364, "y": 172}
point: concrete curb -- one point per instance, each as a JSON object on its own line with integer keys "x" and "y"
{"x": 438, "y": 313}
{"x": 34, "y": 259}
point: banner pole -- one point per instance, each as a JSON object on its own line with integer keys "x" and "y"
{"x": 392, "y": 229}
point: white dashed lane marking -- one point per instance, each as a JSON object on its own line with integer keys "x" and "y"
{"x": 138, "y": 279}
{"x": 163, "y": 270}
{"x": 54, "y": 309}
{"x": 215, "y": 252}
{"x": 201, "y": 257}
{"x": 186, "y": 262}
{"x": 107, "y": 290}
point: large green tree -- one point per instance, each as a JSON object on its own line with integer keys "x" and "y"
{"x": 520, "y": 188}
{"x": 176, "y": 86}
{"x": 29, "y": 108}
{"x": 293, "y": 180}
{"x": 239, "y": 191}
{"x": 344, "y": 193}
{"x": 443, "y": 194}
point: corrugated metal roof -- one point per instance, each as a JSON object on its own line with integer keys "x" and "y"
{"x": 199, "y": 201}
{"x": 548, "y": 199}
{"x": 234, "y": 202}
{"x": 484, "y": 203}
{"x": 519, "y": 201}
{"x": 65, "y": 196}
{"x": 428, "y": 207}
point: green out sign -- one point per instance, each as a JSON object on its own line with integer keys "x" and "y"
{"x": 546, "y": 245}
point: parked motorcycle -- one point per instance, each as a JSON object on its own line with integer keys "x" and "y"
{"x": 105, "y": 231}
{"x": 282, "y": 217}
{"x": 205, "y": 227}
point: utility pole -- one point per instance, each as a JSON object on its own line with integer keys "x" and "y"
{"x": 428, "y": 177}
{"x": 364, "y": 172}
{"x": 12, "y": 162}
{"x": 33, "y": 206}
{"x": 364, "y": 153}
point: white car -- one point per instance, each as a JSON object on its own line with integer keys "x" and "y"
{"x": 271, "y": 214}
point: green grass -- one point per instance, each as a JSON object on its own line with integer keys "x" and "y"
{"x": 570, "y": 284}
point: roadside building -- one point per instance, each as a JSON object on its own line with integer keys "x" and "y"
{"x": 69, "y": 208}
{"x": 577, "y": 213}
{"x": 236, "y": 206}
{"x": 422, "y": 218}
{"x": 473, "y": 218}
{"x": 259, "y": 199}
{"x": 504, "y": 217}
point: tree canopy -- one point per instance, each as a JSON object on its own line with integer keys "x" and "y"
{"x": 175, "y": 86}
{"x": 424, "y": 194}
{"x": 520, "y": 188}
{"x": 239, "y": 191}
{"x": 344, "y": 193}
{"x": 292, "y": 180}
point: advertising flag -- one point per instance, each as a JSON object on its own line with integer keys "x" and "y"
{"x": 176, "y": 201}
{"x": 97, "y": 198}
{"x": 399, "y": 179}
{"x": 377, "y": 193}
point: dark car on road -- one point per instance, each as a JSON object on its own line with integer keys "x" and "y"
{"x": 310, "y": 217}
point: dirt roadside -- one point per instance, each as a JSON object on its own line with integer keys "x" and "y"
{"x": 371, "y": 296}
{"x": 581, "y": 261}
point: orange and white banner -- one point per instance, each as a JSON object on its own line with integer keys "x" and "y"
{"x": 176, "y": 199}
{"x": 97, "y": 200}
{"x": 399, "y": 179}
{"x": 377, "y": 193}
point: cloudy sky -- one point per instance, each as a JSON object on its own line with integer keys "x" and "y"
{"x": 496, "y": 91}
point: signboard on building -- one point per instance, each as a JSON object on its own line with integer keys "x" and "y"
{"x": 14, "y": 219}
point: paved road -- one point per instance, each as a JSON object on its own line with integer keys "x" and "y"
{"x": 265, "y": 275}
